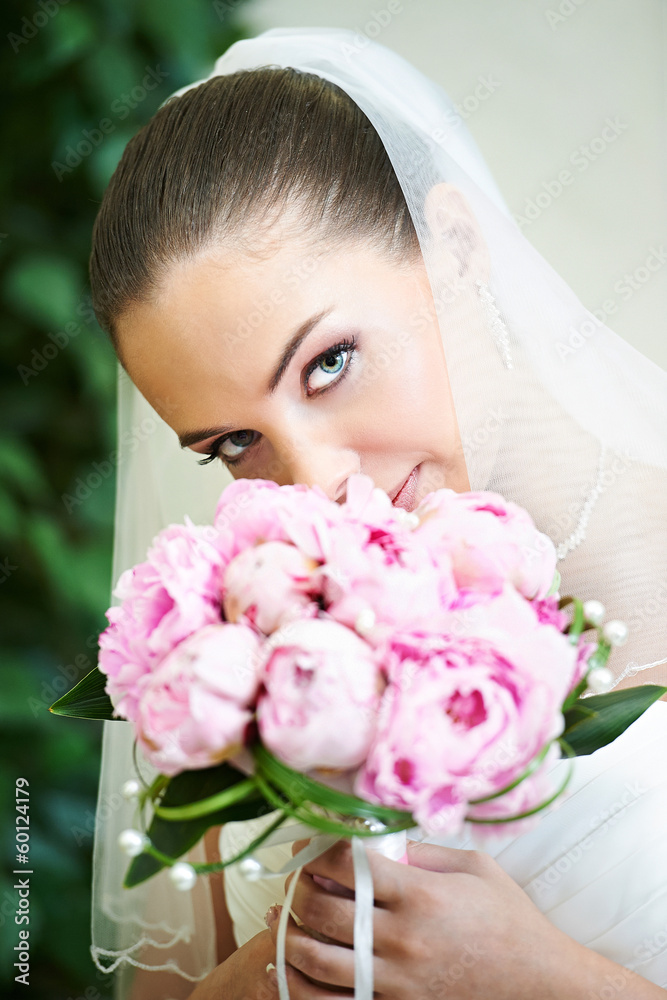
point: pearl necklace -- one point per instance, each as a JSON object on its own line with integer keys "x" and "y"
{"x": 591, "y": 498}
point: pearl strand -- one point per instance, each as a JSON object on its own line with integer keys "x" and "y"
{"x": 497, "y": 326}
{"x": 579, "y": 533}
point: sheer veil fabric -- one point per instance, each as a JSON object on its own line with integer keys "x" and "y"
{"x": 574, "y": 430}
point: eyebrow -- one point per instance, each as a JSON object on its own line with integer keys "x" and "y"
{"x": 193, "y": 437}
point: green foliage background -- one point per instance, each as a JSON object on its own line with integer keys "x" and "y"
{"x": 67, "y": 64}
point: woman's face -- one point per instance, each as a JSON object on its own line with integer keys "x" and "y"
{"x": 304, "y": 366}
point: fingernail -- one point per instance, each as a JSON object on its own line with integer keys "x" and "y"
{"x": 271, "y": 914}
{"x": 272, "y": 976}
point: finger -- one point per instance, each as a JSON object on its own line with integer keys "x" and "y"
{"x": 331, "y": 916}
{"x": 328, "y": 964}
{"x": 331, "y": 886}
{"x": 302, "y": 988}
{"x": 324, "y": 912}
{"x": 326, "y": 883}
{"x": 434, "y": 858}
{"x": 389, "y": 877}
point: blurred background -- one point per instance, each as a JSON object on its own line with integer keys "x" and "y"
{"x": 547, "y": 86}
{"x": 549, "y": 89}
{"x": 80, "y": 79}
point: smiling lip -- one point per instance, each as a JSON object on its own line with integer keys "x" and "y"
{"x": 405, "y": 497}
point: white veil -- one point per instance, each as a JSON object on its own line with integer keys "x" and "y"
{"x": 575, "y": 431}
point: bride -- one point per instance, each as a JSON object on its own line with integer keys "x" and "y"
{"x": 307, "y": 271}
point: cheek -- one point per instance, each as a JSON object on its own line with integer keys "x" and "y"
{"x": 408, "y": 386}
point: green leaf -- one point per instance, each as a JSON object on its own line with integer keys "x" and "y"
{"x": 613, "y": 713}
{"x": 298, "y": 788}
{"x": 577, "y": 713}
{"x": 20, "y": 466}
{"x": 86, "y": 574}
{"x": 87, "y": 699}
{"x": 175, "y": 838}
{"x": 109, "y": 72}
{"x": 10, "y": 516}
{"x": 45, "y": 288}
{"x": 71, "y": 35}
{"x": 574, "y": 695}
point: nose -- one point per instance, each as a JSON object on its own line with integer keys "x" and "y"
{"x": 317, "y": 463}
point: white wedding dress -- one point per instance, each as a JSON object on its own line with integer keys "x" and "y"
{"x": 596, "y": 865}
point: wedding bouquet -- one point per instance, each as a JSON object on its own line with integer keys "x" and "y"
{"x": 359, "y": 667}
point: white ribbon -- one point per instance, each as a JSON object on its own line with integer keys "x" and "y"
{"x": 363, "y": 922}
{"x": 392, "y": 845}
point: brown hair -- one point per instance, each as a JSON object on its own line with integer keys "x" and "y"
{"x": 233, "y": 151}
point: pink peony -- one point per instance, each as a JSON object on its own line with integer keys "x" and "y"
{"x": 489, "y": 540}
{"x": 258, "y": 510}
{"x": 322, "y": 687}
{"x": 466, "y": 712}
{"x": 269, "y": 584}
{"x": 585, "y": 650}
{"x": 172, "y": 594}
{"x": 401, "y": 587}
{"x": 194, "y": 709}
{"x": 368, "y": 505}
{"x": 528, "y": 795}
{"x": 549, "y": 613}
{"x": 529, "y": 635}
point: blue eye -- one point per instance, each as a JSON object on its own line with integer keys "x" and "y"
{"x": 246, "y": 440}
{"x": 215, "y": 450}
{"x": 329, "y": 363}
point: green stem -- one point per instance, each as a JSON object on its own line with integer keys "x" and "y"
{"x": 161, "y": 781}
{"x": 216, "y": 866}
{"x": 577, "y": 625}
{"x": 534, "y": 764}
{"x": 531, "y": 812}
{"x": 325, "y": 824}
{"x": 297, "y": 786}
{"x": 242, "y": 790}
{"x": 164, "y": 858}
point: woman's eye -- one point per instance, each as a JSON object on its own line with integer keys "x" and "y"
{"x": 328, "y": 367}
{"x": 237, "y": 440}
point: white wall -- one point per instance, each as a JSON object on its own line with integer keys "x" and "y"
{"x": 560, "y": 69}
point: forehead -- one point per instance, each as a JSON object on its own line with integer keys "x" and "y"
{"x": 215, "y": 306}
{"x": 218, "y": 322}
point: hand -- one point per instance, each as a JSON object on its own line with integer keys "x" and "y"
{"x": 243, "y": 975}
{"x": 450, "y": 924}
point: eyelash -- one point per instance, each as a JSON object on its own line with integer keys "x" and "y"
{"x": 347, "y": 346}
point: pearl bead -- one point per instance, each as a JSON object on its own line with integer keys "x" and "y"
{"x": 251, "y": 869}
{"x": 365, "y": 621}
{"x": 600, "y": 680}
{"x": 130, "y": 789}
{"x": 132, "y": 842}
{"x": 374, "y": 825}
{"x": 615, "y": 632}
{"x": 579, "y": 533}
{"x": 183, "y": 875}
{"x": 594, "y": 611}
{"x": 407, "y": 518}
